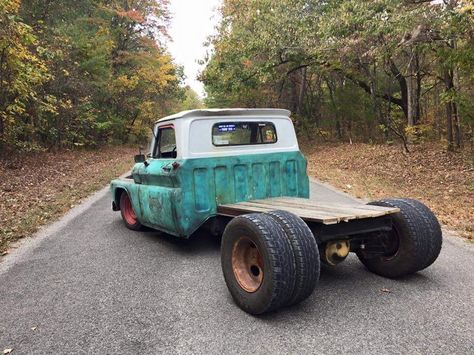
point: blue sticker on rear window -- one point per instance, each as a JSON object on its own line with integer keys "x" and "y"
{"x": 226, "y": 127}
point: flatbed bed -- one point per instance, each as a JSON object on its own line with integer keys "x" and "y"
{"x": 308, "y": 210}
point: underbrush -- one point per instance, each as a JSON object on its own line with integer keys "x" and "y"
{"x": 443, "y": 180}
{"x": 37, "y": 188}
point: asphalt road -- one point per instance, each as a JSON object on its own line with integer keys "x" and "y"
{"x": 89, "y": 285}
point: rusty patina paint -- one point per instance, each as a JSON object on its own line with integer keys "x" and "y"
{"x": 178, "y": 200}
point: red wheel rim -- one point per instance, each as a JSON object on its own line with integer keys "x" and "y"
{"x": 127, "y": 210}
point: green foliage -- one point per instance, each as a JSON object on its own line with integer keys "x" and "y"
{"x": 347, "y": 66}
{"x": 21, "y": 71}
{"x": 191, "y": 100}
{"x": 83, "y": 72}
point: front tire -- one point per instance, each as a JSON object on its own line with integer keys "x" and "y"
{"x": 257, "y": 263}
{"x": 411, "y": 245}
{"x": 128, "y": 214}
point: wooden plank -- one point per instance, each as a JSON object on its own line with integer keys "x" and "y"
{"x": 308, "y": 202}
{"x": 279, "y": 205}
{"x": 307, "y": 214}
{"x": 316, "y": 208}
{"x": 229, "y": 210}
{"x": 307, "y": 209}
{"x": 303, "y": 214}
{"x": 336, "y": 211}
{"x": 354, "y": 208}
{"x": 313, "y": 210}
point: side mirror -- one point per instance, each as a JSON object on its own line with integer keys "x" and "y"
{"x": 140, "y": 158}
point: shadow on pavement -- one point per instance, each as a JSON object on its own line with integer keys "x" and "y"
{"x": 200, "y": 241}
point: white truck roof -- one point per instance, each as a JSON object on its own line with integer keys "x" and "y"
{"x": 193, "y": 131}
{"x": 218, "y": 112}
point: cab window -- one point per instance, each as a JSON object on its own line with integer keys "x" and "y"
{"x": 166, "y": 147}
{"x": 243, "y": 133}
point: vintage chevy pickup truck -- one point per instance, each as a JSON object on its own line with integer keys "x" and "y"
{"x": 240, "y": 173}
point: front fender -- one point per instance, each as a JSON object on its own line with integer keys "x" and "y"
{"x": 117, "y": 186}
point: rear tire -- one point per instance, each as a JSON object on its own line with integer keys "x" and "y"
{"x": 305, "y": 252}
{"x": 432, "y": 228}
{"x": 413, "y": 243}
{"x": 257, "y": 263}
{"x": 128, "y": 214}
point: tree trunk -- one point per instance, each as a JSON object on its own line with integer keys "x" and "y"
{"x": 448, "y": 82}
{"x": 294, "y": 93}
{"x": 457, "y": 118}
{"x": 302, "y": 91}
{"x": 413, "y": 89}
{"x": 403, "y": 87}
{"x": 457, "y": 125}
{"x": 453, "y": 125}
{"x": 438, "y": 113}
{"x": 376, "y": 103}
{"x": 339, "y": 128}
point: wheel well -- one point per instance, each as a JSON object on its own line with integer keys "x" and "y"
{"x": 118, "y": 194}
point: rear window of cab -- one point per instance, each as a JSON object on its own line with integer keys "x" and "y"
{"x": 243, "y": 133}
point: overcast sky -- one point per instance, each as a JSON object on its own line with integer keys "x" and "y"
{"x": 193, "y": 21}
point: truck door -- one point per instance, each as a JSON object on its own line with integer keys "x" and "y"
{"x": 156, "y": 191}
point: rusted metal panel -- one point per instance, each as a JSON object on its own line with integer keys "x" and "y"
{"x": 178, "y": 199}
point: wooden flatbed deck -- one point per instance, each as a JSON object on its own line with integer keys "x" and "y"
{"x": 308, "y": 210}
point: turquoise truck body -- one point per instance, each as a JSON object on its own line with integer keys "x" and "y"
{"x": 178, "y": 196}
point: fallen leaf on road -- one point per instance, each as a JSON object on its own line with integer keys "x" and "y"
{"x": 7, "y": 351}
{"x": 387, "y": 290}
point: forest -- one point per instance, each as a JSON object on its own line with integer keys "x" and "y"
{"x": 84, "y": 73}
{"x": 350, "y": 70}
